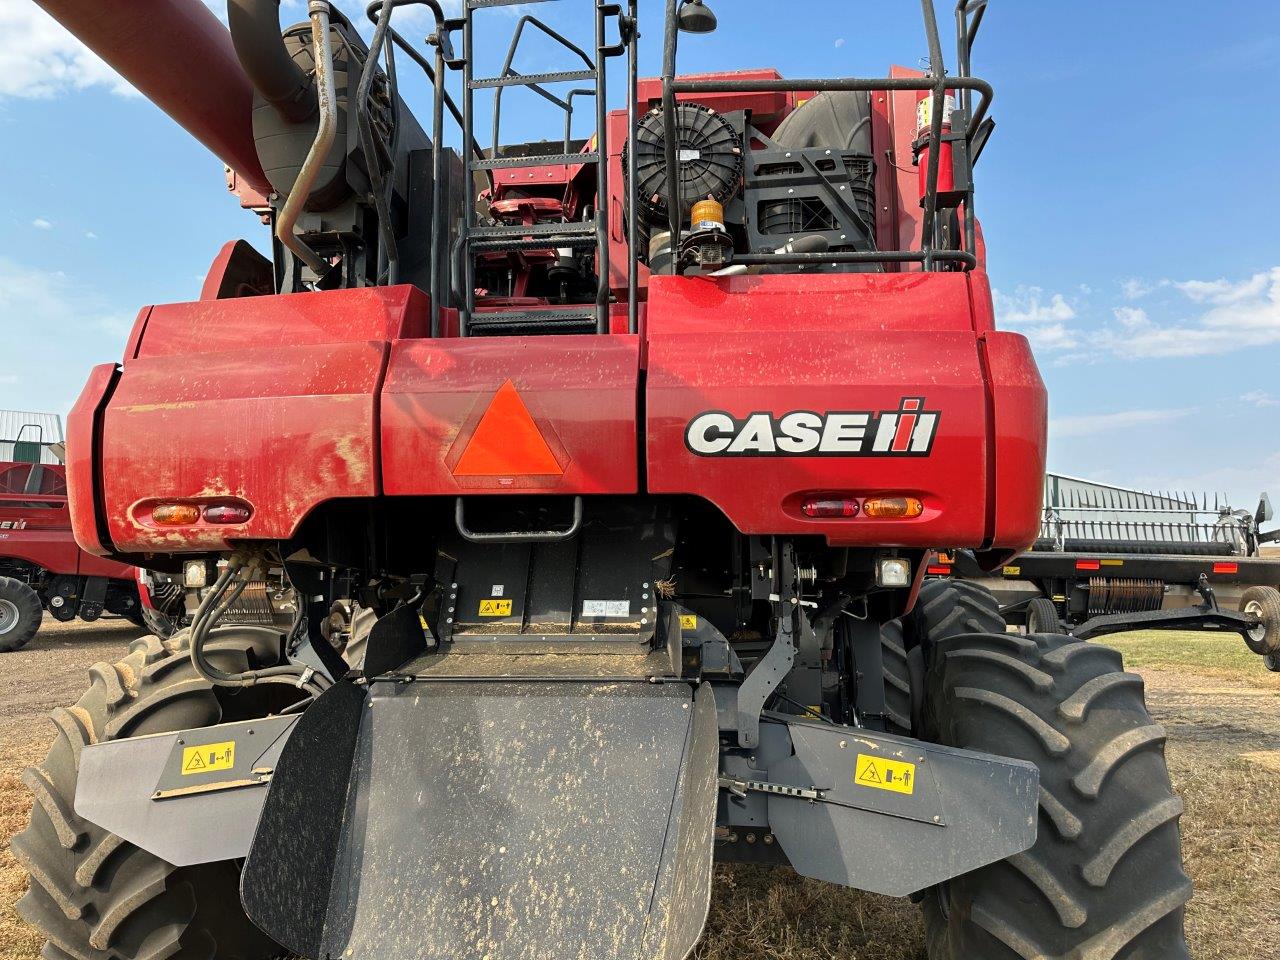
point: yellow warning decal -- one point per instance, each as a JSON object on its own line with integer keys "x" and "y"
{"x": 1012, "y": 571}
{"x": 1111, "y": 563}
{"x": 495, "y": 608}
{"x": 882, "y": 774}
{"x": 209, "y": 758}
{"x": 688, "y": 621}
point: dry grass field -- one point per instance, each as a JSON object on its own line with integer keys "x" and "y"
{"x": 1220, "y": 707}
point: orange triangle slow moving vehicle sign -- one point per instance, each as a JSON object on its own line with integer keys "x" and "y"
{"x": 507, "y": 442}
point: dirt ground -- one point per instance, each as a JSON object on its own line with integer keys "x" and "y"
{"x": 1220, "y": 707}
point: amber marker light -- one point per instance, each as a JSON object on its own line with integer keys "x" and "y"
{"x": 892, "y": 508}
{"x": 175, "y": 514}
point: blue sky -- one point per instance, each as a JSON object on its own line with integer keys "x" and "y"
{"x": 1128, "y": 200}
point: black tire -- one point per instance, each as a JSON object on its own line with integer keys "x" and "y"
{"x": 1042, "y": 616}
{"x": 1265, "y": 602}
{"x": 94, "y": 896}
{"x": 898, "y": 705}
{"x": 20, "y": 614}
{"x": 1104, "y": 879}
{"x": 1272, "y": 662}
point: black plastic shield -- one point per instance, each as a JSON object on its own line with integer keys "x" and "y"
{"x": 509, "y": 821}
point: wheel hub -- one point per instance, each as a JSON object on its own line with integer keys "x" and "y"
{"x": 8, "y": 616}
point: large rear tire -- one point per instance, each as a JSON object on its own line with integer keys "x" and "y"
{"x": 897, "y": 665}
{"x": 95, "y": 896}
{"x": 1104, "y": 879}
{"x": 20, "y": 614}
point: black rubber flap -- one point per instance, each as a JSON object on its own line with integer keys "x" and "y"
{"x": 526, "y": 821}
{"x": 395, "y": 639}
{"x": 286, "y": 878}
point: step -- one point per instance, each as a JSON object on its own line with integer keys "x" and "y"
{"x": 578, "y": 228}
{"x": 546, "y": 160}
{"x": 532, "y": 79}
{"x": 569, "y": 320}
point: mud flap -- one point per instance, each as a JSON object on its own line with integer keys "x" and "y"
{"x": 508, "y": 820}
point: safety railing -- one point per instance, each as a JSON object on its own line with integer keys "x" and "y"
{"x": 976, "y": 128}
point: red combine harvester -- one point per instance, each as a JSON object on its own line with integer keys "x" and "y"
{"x": 632, "y": 451}
{"x": 41, "y": 566}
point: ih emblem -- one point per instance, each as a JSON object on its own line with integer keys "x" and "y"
{"x": 906, "y": 432}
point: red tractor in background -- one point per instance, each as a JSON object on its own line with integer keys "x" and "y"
{"x": 41, "y": 566}
{"x": 632, "y": 452}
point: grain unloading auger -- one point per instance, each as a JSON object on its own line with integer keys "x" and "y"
{"x": 629, "y": 454}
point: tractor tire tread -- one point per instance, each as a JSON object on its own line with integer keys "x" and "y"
{"x": 93, "y": 895}
{"x": 30, "y": 611}
{"x": 1109, "y": 831}
{"x": 897, "y": 678}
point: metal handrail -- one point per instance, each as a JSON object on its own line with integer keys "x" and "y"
{"x": 508, "y": 71}
{"x": 380, "y": 11}
{"x": 969, "y": 15}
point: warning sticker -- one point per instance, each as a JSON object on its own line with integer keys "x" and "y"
{"x": 1012, "y": 571}
{"x": 883, "y": 774}
{"x": 606, "y": 608}
{"x": 495, "y": 608}
{"x": 209, "y": 758}
{"x": 688, "y": 621}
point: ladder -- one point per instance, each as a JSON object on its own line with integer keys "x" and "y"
{"x": 593, "y": 234}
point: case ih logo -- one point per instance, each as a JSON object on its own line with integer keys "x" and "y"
{"x": 13, "y": 524}
{"x": 905, "y": 432}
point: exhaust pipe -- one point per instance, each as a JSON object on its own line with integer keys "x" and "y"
{"x": 326, "y": 132}
{"x": 255, "y": 31}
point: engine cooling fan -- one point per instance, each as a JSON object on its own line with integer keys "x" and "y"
{"x": 710, "y": 153}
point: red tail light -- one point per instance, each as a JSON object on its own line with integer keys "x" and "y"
{"x": 830, "y": 509}
{"x": 228, "y": 513}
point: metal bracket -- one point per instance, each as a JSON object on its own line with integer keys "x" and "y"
{"x": 771, "y": 669}
{"x": 740, "y": 788}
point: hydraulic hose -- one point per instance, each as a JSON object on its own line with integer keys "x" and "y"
{"x": 255, "y": 32}
{"x": 225, "y": 591}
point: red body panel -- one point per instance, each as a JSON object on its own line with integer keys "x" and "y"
{"x": 1021, "y": 437}
{"x": 271, "y": 401}
{"x": 853, "y": 342}
{"x": 287, "y": 402}
{"x": 580, "y": 391}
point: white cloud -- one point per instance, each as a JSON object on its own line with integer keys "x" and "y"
{"x": 1239, "y": 315}
{"x": 1042, "y": 319}
{"x": 1135, "y": 288}
{"x": 1089, "y": 425}
{"x": 840, "y": 41}
{"x": 39, "y": 59}
{"x": 1027, "y": 305}
{"x": 90, "y": 235}
{"x": 40, "y": 223}
{"x": 1259, "y": 398}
